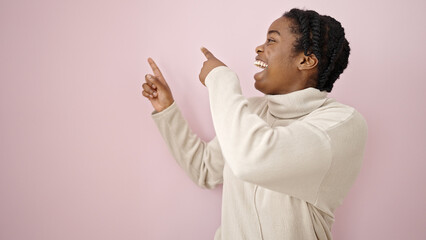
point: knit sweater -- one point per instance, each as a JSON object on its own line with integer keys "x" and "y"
{"x": 286, "y": 161}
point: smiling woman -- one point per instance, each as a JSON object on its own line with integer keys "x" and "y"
{"x": 287, "y": 159}
{"x": 303, "y": 49}
{"x": 287, "y": 71}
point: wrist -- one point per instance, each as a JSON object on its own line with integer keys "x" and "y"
{"x": 163, "y": 110}
{"x": 165, "y": 106}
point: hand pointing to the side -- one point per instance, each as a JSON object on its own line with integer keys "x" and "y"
{"x": 208, "y": 65}
{"x": 156, "y": 89}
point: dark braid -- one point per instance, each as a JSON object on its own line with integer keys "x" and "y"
{"x": 324, "y": 37}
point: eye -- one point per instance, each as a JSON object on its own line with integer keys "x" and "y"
{"x": 271, "y": 40}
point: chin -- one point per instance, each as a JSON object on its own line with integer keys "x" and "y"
{"x": 259, "y": 87}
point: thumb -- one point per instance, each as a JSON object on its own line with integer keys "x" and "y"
{"x": 207, "y": 53}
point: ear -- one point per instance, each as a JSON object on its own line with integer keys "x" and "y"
{"x": 307, "y": 62}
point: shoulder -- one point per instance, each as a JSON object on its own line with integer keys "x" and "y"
{"x": 333, "y": 114}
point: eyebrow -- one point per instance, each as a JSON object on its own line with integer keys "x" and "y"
{"x": 274, "y": 31}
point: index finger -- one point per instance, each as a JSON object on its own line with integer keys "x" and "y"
{"x": 155, "y": 69}
{"x": 207, "y": 53}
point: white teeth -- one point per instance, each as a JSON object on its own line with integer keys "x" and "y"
{"x": 260, "y": 64}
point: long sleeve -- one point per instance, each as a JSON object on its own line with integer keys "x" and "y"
{"x": 292, "y": 159}
{"x": 202, "y": 161}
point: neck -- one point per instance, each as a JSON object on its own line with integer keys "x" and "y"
{"x": 296, "y": 103}
{"x": 305, "y": 79}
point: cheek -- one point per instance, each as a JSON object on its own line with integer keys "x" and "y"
{"x": 283, "y": 66}
{"x": 278, "y": 75}
{"x": 276, "y": 70}
{"x": 277, "y": 62}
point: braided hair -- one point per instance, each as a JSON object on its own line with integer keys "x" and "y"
{"x": 324, "y": 37}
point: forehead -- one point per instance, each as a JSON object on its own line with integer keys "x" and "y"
{"x": 281, "y": 24}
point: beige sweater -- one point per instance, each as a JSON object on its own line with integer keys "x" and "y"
{"x": 286, "y": 161}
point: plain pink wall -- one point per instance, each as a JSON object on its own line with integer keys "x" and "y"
{"x": 80, "y": 157}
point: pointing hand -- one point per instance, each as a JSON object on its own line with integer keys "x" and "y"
{"x": 156, "y": 89}
{"x": 208, "y": 65}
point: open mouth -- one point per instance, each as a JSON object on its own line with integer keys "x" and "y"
{"x": 260, "y": 64}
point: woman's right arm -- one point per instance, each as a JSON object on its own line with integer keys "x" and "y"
{"x": 202, "y": 161}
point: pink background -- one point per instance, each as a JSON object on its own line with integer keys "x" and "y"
{"x": 81, "y": 158}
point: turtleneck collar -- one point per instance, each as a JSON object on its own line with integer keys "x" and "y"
{"x": 297, "y": 103}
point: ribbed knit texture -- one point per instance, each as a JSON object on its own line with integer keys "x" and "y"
{"x": 286, "y": 161}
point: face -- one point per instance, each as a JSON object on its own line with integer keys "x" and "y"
{"x": 282, "y": 74}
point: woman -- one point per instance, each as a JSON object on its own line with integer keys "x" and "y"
{"x": 286, "y": 160}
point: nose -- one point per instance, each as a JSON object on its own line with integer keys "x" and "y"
{"x": 259, "y": 48}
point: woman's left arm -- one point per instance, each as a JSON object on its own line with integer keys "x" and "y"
{"x": 292, "y": 159}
